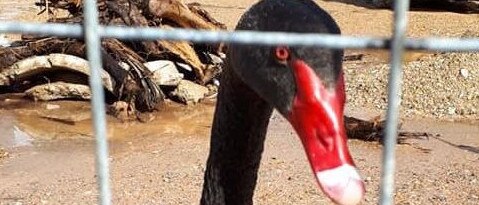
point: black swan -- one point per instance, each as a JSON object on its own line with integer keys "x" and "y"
{"x": 305, "y": 84}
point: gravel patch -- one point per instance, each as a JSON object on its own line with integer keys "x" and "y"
{"x": 443, "y": 85}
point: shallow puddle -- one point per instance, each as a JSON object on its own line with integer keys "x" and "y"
{"x": 23, "y": 122}
{"x": 12, "y": 135}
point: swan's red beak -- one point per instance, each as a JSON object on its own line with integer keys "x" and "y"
{"x": 317, "y": 117}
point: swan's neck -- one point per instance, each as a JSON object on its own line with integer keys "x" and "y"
{"x": 237, "y": 138}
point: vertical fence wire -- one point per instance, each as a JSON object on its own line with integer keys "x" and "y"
{"x": 394, "y": 102}
{"x": 93, "y": 44}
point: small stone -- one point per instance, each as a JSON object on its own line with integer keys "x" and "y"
{"x": 222, "y": 55}
{"x": 464, "y": 73}
{"x": 124, "y": 65}
{"x": 189, "y": 92}
{"x": 164, "y": 72}
{"x": 166, "y": 179}
{"x": 216, "y": 82}
{"x": 122, "y": 110}
{"x": 52, "y": 106}
{"x": 216, "y": 59}
{"x": 367, "y": 179}
{"x": 212, "y": 91}
{"x": 185, "y": 67}
{"x": 451, "y": 110}
{"x": 3, "y": 153}
{"x": 4, "y": 42}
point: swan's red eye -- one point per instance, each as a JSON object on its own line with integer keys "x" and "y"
{"x": 282, "y": 53}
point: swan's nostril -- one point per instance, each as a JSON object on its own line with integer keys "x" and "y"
{"x": 342, "y": 184}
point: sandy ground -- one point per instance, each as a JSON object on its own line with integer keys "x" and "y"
{"x": 162, "y": 162}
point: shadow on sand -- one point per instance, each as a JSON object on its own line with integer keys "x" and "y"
{"x": 463, "y": 147}
{"x": 457, "y": 6}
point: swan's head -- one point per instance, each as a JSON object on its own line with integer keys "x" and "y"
{"x": 306, "y": 85}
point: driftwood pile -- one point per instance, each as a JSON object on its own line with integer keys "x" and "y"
{"x": 137, "y": 75}
{"x": 141, "y": 73}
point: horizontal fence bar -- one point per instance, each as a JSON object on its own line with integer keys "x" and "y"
{"x": 242, "y": 37}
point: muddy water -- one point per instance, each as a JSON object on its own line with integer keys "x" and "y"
{"x": 12, "y": 135}
{"x": 23, "y": 121}
{"x": 50, "y": 146}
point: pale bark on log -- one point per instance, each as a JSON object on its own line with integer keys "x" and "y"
{"x": 58, "y": 91}
{"x": 178, "y": 12}
{"x": 40, "y": 64}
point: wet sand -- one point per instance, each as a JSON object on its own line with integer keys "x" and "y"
{"x": 162, "y": 162}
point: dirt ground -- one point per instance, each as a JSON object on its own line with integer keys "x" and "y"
{"x": 43, "y": 161}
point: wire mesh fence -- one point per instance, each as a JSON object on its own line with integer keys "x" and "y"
{"x": 92, "y": 32}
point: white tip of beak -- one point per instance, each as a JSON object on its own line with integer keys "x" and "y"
{"x": 342, "y": 184}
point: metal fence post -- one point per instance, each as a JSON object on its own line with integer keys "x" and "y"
{"x": 394, "y": 102}
{"x": 93, "y": 44}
